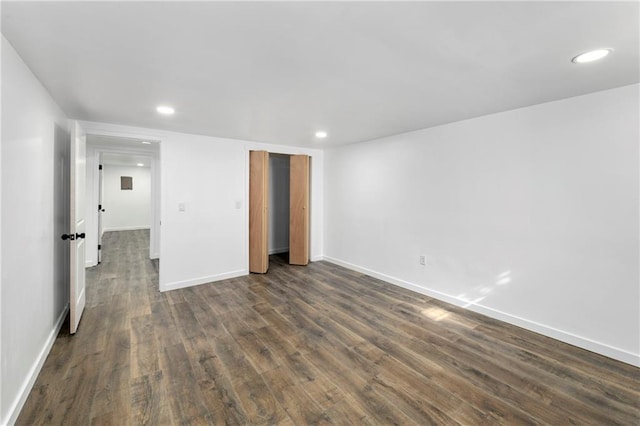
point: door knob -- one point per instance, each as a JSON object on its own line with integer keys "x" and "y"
{"x": 68, "y": 237}
{"x": 78, "y": 236}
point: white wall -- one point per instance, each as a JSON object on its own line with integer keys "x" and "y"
{"x": 34, "y": 288}
{"x": 205, "y": 241}
{"x": 126, "y": 210}
{"x": 278, "y": 203}
{"x": 530, "y": 216}
{"x": 209, "y": 240}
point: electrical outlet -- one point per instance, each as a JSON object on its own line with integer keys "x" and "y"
{"x": 423, "y": 260}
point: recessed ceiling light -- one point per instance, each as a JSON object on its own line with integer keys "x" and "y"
{"x": 321, "y": 135}
{"x": 590, "y": 56}
{"x": 146, "y": 143}
{"x": 165, "y": 110}
{"x": 140, "y": 165}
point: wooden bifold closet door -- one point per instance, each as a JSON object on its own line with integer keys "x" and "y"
{"x": 258, "y": 211}
{"x": 299, "y": 210}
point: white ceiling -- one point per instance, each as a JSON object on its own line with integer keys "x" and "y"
{"x": 277, "y": 72}
{"x": 126, "y": 160}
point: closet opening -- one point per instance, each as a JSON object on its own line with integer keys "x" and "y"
{"x": 278, "y": 209}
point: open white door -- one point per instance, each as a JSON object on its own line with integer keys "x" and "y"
{"x": 78, "y": 224}
{"x": 100, "y": 211}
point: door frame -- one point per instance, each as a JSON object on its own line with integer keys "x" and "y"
{"x": 101, "y": 209}
{"x": 103, "y": 129}
{"x": 315, "y": 195}
{"x": 98, "y": 150}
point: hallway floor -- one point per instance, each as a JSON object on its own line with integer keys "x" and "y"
{"x": 307, "y": 345}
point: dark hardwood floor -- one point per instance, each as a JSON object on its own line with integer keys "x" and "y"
{"x": 307, "y": 345}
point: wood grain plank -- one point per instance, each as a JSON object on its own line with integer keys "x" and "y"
{"x": 186, "y": 402}
{"x": 258, "y": 211}
{"x": 149, "y": 400}
{"x": 299, "y": 210}
{"x": 215, "y": 383}
{"x": 314, "y": 345}
{"x": 298, "y": 405}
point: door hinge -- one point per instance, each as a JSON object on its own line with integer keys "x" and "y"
{"x": 99, "y": 246}
{"x": 99, "y": 207}
{"x": 99, "y": 166}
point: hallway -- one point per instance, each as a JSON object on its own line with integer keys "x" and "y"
{"x": 86, "y": 376}
{"x": 307, "y": 345}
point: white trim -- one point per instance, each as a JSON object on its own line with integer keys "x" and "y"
{"x": 90, "y": 263}
{"x": 318, "y": 258}
{"x": 117, "y": 130}
{"x": 154, "y": 233}
{"x": 123, "y": 150}
{"x": 564, "y": 336}
{"x": 125, "y": 228}
{"x": 203, "y": 280}
{"x": 91, "y": 247}
{"x": 27, "y": 385}
{"x": 154, "y": 256}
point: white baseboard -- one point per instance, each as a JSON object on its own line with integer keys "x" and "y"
{"x": 317, "y": 258}
{"x": 203, "y": 280}
{"x": 125, "y": 228}
{"x": 27, "y": 385}
{"x": 563, "y": 336}
{"x": 279, "y": 250}
{"x": 155, "y": 256}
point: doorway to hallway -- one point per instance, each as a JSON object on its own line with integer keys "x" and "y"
{"x": 123, "y": 190}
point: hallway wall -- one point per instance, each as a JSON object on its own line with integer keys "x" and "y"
{"x": 34, "y": 290}
{"x": 126, "y": 209}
